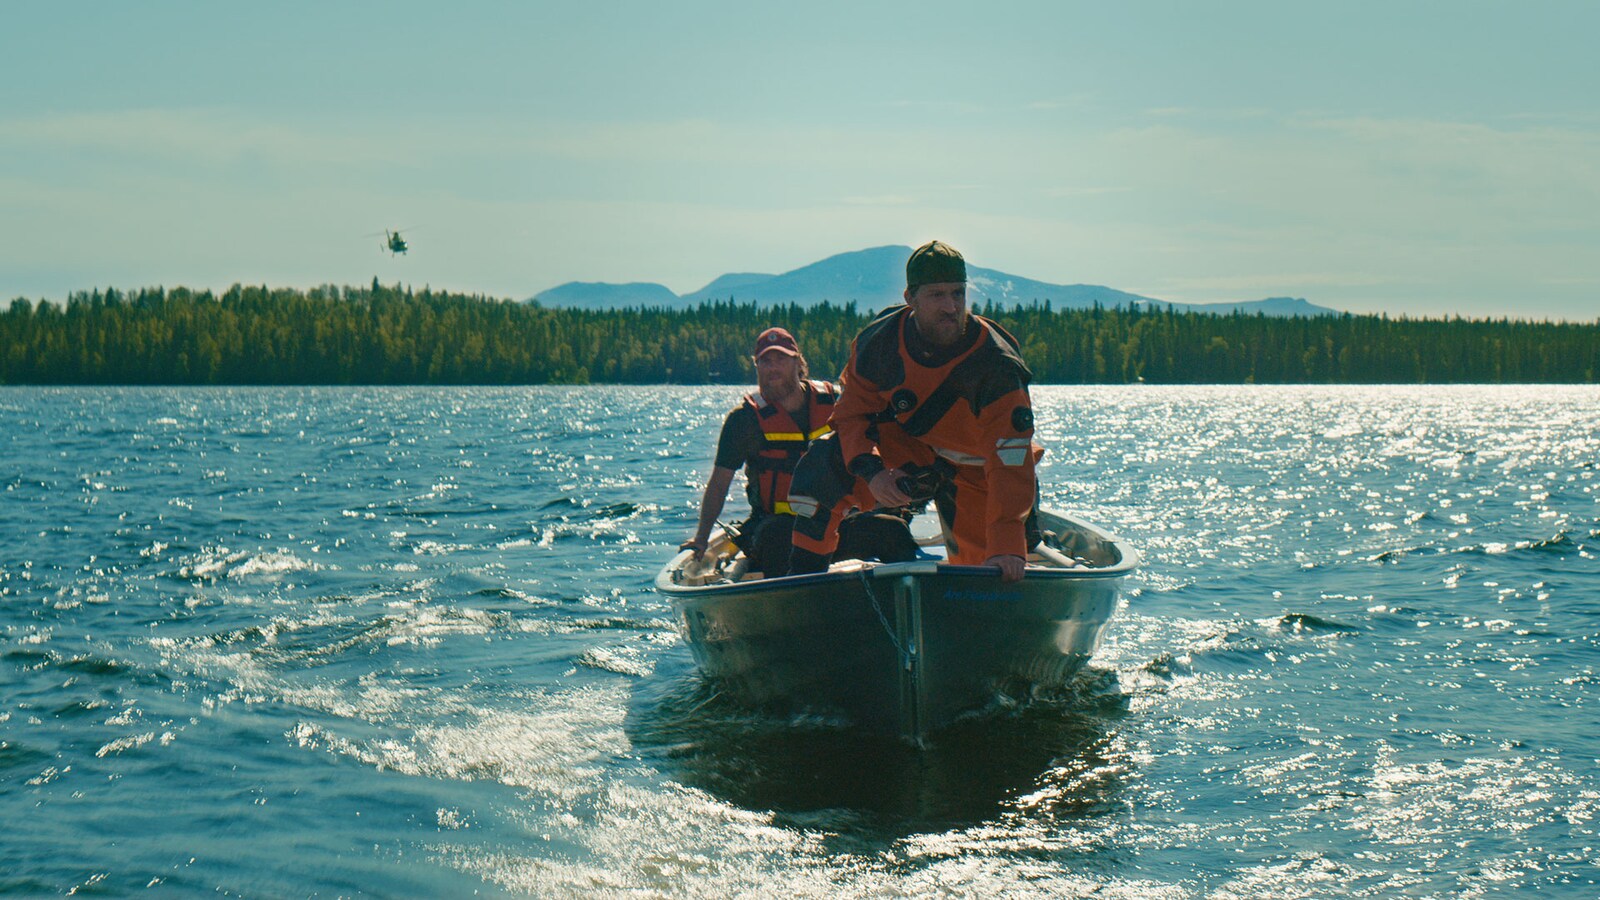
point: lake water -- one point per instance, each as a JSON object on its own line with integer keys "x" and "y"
{"x": 403, "y": 642}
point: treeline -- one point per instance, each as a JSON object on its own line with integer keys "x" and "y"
{"x": 393, "y": 335}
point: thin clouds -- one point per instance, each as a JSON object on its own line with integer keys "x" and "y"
{"x": 211, "y": 137}
{"x": 1185, "y": 205}
{"x": 884, "y": 200}
{"x": 1207, "y": 153}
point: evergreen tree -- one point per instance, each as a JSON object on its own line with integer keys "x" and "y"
{"x": 394, "y": 335}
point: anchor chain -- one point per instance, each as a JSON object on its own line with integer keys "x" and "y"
{"x": 902, "y": 650}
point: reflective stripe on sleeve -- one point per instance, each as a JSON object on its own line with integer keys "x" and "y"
{"x": 1012, "y": 451}
{"x": 804, "y": 507}
{"x": 959, "y": 458}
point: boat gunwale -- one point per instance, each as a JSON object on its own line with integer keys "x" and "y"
{"x": 924, "y": 568}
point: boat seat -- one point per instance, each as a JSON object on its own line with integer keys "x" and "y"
{"x": 1053, "y": 558}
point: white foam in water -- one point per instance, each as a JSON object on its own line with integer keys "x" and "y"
{"x": 1358, "y": 661}
{"x": 636, "y": 661}
{"x": 132, "y": 741}
{"x": 274, "y": 563}
{"x": 220, "y": 562}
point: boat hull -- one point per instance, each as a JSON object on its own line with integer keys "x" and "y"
{"x": 904, "y": 648}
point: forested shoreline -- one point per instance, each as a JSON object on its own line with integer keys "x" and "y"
{"x": 394, "y": 335}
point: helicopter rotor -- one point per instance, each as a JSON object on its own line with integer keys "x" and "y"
{"x": 392, "y": 242}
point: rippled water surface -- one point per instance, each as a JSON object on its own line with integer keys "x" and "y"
{"x": 362, "y": 642}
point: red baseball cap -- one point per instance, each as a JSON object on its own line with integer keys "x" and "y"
{"x": 776, "y": 339}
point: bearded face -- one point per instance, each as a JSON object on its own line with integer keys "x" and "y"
{"x": 940, "y": 311}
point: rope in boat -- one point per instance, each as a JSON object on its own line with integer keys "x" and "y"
{"x": 905, "y": 652}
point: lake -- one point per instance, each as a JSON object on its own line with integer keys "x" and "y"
{"x": 403, "y": 642}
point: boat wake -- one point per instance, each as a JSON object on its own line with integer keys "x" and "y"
{"x": 816, "y": 772}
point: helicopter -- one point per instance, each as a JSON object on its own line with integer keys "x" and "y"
{"x": 392, "y": 241}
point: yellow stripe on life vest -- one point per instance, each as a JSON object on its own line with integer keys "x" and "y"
{"x": 782, "y": 508}
{"x": 797, "y": 436}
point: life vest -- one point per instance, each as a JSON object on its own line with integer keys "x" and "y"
{"x": 783, "y": 443}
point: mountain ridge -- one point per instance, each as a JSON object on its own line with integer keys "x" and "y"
{"x": 875, "y": 277}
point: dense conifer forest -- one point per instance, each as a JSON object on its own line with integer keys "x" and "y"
{"x": 393, "y": 335}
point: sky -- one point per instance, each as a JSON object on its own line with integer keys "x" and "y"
{"x": 1411, "y": 158}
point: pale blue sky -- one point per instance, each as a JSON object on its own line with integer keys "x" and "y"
{"x": 1421, "y": 158}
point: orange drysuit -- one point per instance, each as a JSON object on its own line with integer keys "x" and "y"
{"x": 973, "y": 412}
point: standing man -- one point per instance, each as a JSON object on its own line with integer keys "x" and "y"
{"x": 766, "y": 434}
{"x": 934, "y": 400}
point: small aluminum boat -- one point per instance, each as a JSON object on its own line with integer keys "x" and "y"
{"x": 904, "y": 648}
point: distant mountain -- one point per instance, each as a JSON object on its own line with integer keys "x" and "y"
{"x": 729, "y": 285}
{"x": 1009, "y": 290}
{"x": 600, "y": 295}
{"x": 874, "y": 278}
{"x": 1272, "y": 306}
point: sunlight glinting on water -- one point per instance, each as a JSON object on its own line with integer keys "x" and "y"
{"x": 1357, "y": 660}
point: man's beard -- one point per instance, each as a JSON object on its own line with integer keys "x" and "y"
{"x": 778, "y": 386}
{"x": 943, "y": 329}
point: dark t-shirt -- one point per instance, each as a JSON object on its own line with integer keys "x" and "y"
{"x": 741, "y": 439}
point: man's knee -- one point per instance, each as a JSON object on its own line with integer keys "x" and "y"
{"x": 881, "y": 536}
{"x": 820, "y": 480}
{"x": 770, "y": 552}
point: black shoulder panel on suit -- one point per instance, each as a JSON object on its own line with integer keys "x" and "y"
{"x": 878, "y": 350}
{"x": 993, "y": 370}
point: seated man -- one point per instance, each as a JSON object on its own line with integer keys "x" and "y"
{"x": 766, "y": 434}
